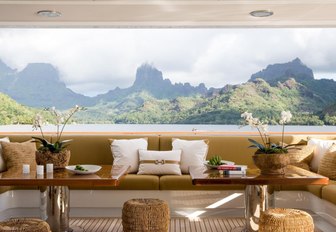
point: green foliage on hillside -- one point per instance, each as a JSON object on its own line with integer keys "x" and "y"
{"x": 225, "y": 107}
{"x": 14, "y": 113}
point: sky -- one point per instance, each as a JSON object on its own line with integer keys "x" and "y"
{"x": 94, "y": 60}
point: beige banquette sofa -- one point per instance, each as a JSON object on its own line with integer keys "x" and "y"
{"x": 94, "y": 148}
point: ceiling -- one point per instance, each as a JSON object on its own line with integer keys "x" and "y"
{"x": 168, "y": 13}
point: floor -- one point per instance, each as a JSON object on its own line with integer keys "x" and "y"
{"x": 176, "y": 224}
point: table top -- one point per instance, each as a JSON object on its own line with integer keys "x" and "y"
{"x": 108, "y": 175}
{"x": 200, "y": 175}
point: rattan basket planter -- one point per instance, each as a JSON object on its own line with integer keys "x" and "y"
{"x": 60, "y": 160}
{"x": 25, "y": 224}
{"x": 146, "y": 215}
{"x": 271, "y": 164}
{"x": 288, "y": 220}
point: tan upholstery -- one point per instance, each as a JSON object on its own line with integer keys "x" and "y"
{"x": 329, "y": 192}
{"x": 16, "y": 154}
{"x": 327, "y": 165}
{"x": 314, "y": 189}
{"x": 173, "y": 182}
{"x": 133, "y": 182}
{"x": 95, "y": 148}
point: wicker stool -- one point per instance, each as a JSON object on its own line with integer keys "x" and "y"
{"x": 150, "y": 215}
{"x": 285, "y": 220}
{"x": 24, "y": 224}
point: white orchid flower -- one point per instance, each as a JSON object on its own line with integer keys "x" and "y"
{"x": 286, "y": 117}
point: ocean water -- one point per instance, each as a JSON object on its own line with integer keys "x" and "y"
{"x": 164, "y": 128}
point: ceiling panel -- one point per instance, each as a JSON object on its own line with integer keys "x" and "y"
{"x": 171, "y": 13}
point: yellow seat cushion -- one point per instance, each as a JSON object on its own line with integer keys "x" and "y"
{"x": 173, "y": 182}
{"x": 329, "y": 192}
{"x": 131, "y": 182}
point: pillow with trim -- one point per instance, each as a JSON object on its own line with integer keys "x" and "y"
{"x": 159, "y": 162}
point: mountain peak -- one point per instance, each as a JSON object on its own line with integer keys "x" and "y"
{"x": 146, "y": 75}
{"x": 5, "y": 69}
{"x": 282, "y": 72}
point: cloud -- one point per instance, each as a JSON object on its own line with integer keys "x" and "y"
{"x": 93, "y": 61}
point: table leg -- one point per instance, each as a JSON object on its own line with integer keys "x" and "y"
{"x": 55, "y": 207}
{"x": 256, "y": 201}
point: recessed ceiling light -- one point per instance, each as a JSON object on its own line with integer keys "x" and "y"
{"x": 48, "y": 13}
{"x": 261, "y": 13}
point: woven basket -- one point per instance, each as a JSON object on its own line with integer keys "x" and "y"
{"x": 289, "y": 220}
{"x": 24, "y": 224}
{"x": 146, "y": 215}
{"x": 60, "y": 160}
{"x": 271, "y": 164}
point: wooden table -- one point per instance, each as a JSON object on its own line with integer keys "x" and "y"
{"x": 256, "y": 192}
{"x": 54, "y": 189}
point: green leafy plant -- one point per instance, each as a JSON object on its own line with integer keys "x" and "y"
{"x": 266, "y": 146}
{"x": 60, "y": 120}
{"x": 215, "y": 160}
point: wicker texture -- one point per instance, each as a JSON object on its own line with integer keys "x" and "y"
{"x": 271, "y": 164}
{"x": 327, "y": 166}
{"x": 285, "y": 220}
{"x": 26, "y": 224}
{"x": 60, "y": 159}
{"x": 146, "y": 215}
{"x": 301, "y": 155}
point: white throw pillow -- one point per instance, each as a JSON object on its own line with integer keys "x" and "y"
{"x": 321, "y": 147}
{"x": 2, "y": 162}
{"x": 125, "y": 152}
{"x": 194, "y": 152}
{"x": 159, "y": 162}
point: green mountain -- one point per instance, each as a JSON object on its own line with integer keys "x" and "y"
{"x": 153, "y": 99}
{"x": 323, "y": 88}
{"x": 281, "y": 87}
{"x": 13, "y": 112}
{"x": 38, "y": 85}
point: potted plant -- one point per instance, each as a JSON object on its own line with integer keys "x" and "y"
{"x": 270, "y": 157}
{"x": 50, "y": 151}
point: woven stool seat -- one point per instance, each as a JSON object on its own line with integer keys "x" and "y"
{"x": 285, "y": 220}
{"x": 147, "y": 215}
{"x": 24, "y": 224}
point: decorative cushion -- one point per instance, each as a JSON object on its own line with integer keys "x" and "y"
{"x": 321, "y": 146}
{"x": 125, "y": 152}
{"x": 327, "y": 165}
{"x": 194, "y": 152}
{"x": 160, "y": 162}
{"x": 301, "y": 155}
{"x": 2, "y": 162}
{"x": 17, "y": 154}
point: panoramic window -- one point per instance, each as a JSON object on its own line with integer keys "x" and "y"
{"x": 202, "y": 77}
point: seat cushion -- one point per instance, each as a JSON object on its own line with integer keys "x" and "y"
{"x": 314, "y": 189}
{"x": 329, "y": 192}
{"x": 130, "y": 182}
{"x": 171, "y": 182}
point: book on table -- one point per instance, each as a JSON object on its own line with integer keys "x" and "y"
{"x": 233, "y": 169}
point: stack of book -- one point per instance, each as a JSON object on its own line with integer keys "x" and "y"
{"x": 231, "y": 169}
